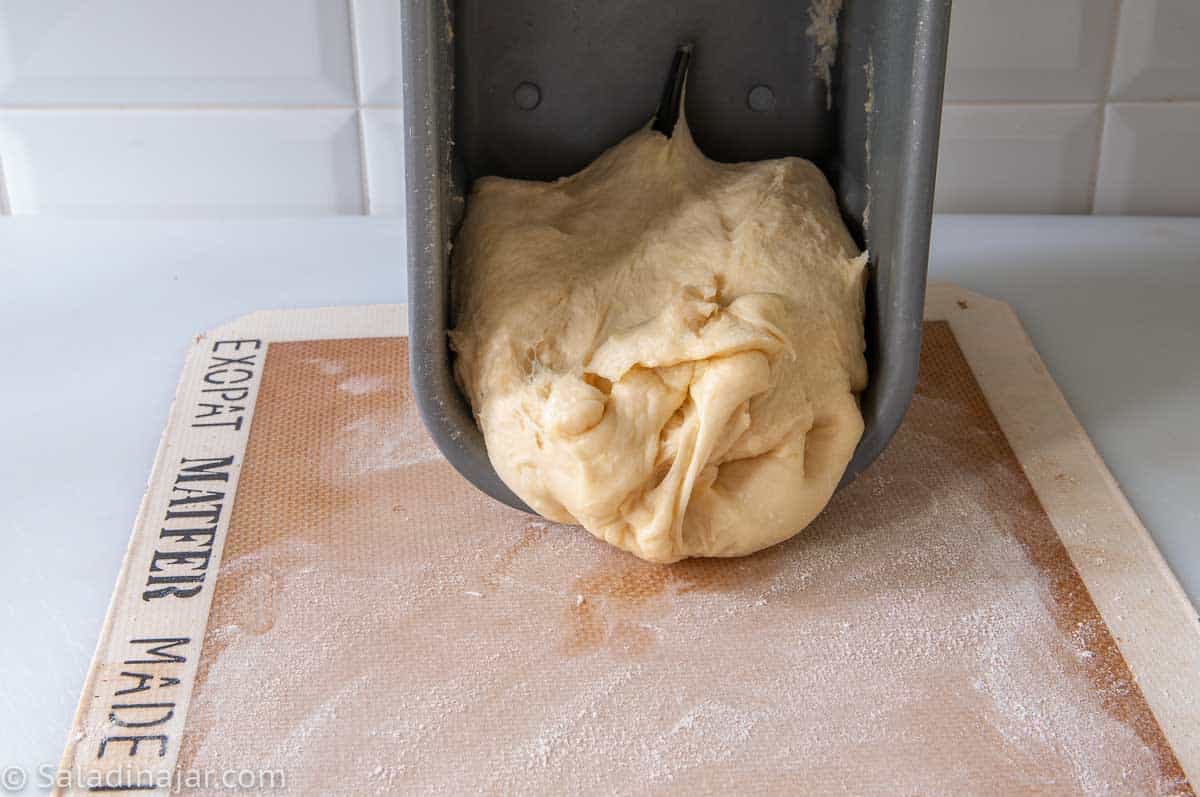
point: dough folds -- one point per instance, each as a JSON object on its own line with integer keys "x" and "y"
{"x": 664, "y": 349}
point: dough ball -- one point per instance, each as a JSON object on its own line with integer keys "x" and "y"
{"x": 664, "y": 349}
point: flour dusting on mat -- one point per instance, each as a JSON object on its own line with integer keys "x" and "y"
{"x": 358, "y": 385}
{"x": 394, "y": 630}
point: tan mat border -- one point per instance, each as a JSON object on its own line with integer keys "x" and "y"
{"x": 131, "y": 714}
{"x": 1155, "y": 625}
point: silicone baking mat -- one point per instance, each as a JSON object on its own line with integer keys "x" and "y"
{"x": 979, "y": 612}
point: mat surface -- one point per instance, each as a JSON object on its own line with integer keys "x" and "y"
{"x": 378, "y": 625}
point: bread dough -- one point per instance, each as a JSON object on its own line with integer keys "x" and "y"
{"x": 663, "y": 348}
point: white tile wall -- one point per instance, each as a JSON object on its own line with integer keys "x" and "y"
{"x": 1149, "y": 161}
{"x": 172, "y": 52}
{"x": 1027, "y": 50}
{"x": 1038, "y": 117}
{"x": 1017, "y": 158}
{"x": 377, "y": 27}
{"x": 383, "y": 130}
{"x": 182, "y": 162}
{"x": 272, "y": 107}
{"x": 183, "y": 108}
{"x": 1158, "y": 52}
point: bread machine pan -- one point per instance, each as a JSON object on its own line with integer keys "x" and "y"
{"x": 537, "y": 89}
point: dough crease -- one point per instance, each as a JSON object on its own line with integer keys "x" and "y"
{"x": 664, "y": 349}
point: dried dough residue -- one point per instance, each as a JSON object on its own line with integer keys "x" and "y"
{"x": 869, "y": 110}
{"x": 823, "y": 31}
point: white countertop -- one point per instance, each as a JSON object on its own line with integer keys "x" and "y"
{"x": 1113, "y": 305}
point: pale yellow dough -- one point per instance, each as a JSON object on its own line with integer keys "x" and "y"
{"x": 662, "y": 348}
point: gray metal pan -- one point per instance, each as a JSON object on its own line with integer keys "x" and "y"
{"x": 536, "y": 89}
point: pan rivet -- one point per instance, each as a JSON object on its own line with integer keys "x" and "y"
{"x": 761, "y": 98}
{"x": 527, "y": 96}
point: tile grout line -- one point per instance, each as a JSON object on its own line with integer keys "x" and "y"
{"x": 1186, "y": 100}
{"x": 194, "y": 108}
{"x": 1112, "y": 52}
{"x": 1042, "y": 104}
{"x": 1105, "y": 100}
{"x": 1022, "y": 103}
{"x": 360, "y": 120}
{"x": 5, "y": 204}
{"x": 359, "y": 115}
